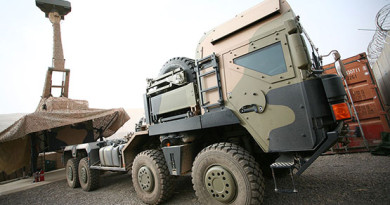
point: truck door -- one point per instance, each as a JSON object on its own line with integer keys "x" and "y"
{"x": 251, "y": 71}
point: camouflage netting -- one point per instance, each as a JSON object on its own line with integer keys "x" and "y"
{"x": 57, "y": 122}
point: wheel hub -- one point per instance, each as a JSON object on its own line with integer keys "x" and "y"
{"x": 145, "y": 179}
{"x": 84, "y": 174}
{"x": 220, "y": 184}
{"x": 70, "y": 173}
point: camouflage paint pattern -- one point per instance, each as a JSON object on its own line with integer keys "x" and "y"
{"x": 270, "y": 22}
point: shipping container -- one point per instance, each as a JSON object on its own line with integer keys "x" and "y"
{"x": 368, "y": 103}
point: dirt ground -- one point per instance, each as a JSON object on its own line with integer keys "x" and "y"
{"x": 334, "y": 179}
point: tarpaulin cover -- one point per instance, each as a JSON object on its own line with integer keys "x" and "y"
{"x": 59, "y": 114}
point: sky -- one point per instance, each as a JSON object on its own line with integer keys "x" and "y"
{"x": 111, "y": 47}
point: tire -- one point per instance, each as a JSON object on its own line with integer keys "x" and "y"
{"x": 89, "y": 178}
{"x": 71, "y": 171}
{"x": 151, "y": 178}
{"x": 187, "y": 64}
{"x": 224, "y": 173}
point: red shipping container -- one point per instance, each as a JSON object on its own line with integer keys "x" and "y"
{"x": 368, "y": 102}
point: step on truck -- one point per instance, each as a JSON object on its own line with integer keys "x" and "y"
{"x": 254, "y": 103}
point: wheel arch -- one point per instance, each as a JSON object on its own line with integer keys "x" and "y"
{"x": 73, "y": 153}
{"x": 136, "y": 145}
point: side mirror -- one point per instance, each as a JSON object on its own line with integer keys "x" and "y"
{"x": 338, "y": 64}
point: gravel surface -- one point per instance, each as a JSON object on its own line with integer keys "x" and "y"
{"x": 333, "y": 179}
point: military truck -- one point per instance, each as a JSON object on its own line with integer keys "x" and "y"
{"x": 253, "y": 102}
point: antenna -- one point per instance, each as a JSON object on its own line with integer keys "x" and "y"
{"x": 56, "y": 10}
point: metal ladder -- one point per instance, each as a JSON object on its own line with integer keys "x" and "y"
{"x": 48, "y": 87}
{"x": 284, "y": 165}
{"x": 285, "y": 161}
{"x": 210, "y": 61}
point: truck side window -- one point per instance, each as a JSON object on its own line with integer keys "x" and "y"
{"x": 268, "y": 60}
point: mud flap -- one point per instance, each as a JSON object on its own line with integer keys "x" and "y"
{"x": 178, "y": 158}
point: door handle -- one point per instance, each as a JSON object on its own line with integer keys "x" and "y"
{"x": 251, "y": 108}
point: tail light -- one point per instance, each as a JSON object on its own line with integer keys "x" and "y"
{"x": 341, "y": 111}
